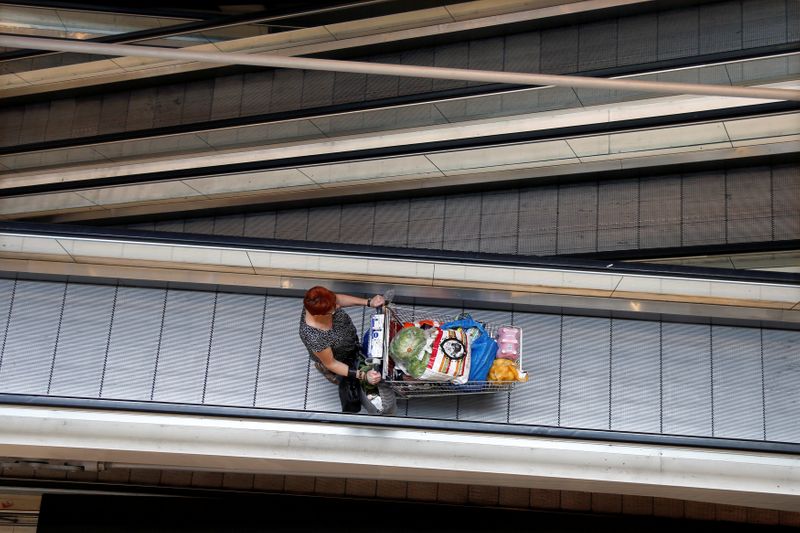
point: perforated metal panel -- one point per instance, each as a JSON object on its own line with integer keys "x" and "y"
{"x": 349, "y": 87}
{"x": 537, "y": 401}
{"x": 231, "y": 225}
{"x": 686, "y": 375}
{"x": 678, "y": 33}
{"x": 169, "y": 104}
{"x": 34, "y": 123}
{"x": 638, "y": 39}
{"x": 749, "y": 205}
{"x": 781, "y": 393}
{"x": 324, "y": 224}
{"x": 141, "y": 110}
{"x": 291, "y": 224}
{"x": 59, "y": 121}
{"x": 763, "y": 22}
{"x": 31, "y": 339}
{"x": 282, "y": 380}
{"x": 257, "y": 93}
{"x": 113, "y": 112}
{"x": 183, "y": 355}
{"x": 538, "y": 221}
{"x": 261, "y": 225}
{"x": 636, "y": 376}
{"x": 703, "y": 221}
{"x": 462, "y": 223}
{"x": 738, "y": 383}
{"x": 660, "y": 212}
{"x": 585, "y": 373}
{"x": 7, "y": 288}
{"x": 80, "y": 356}
{"x": 357, "y": 223}
{"x": 577, "y": 218}
{"x": 227, "y": 99}
{"x": 391, "y": 223}
{"x": 618, "y": 215}
{"x": 722, "y": 28}
{"x": 499, "y": 222}
{"x": 597, "y": 45}
{"x": 559, "y": 50}
{"x": 133, "y": 344}
{"x": 786, "y": 202}
{"x": 317, "y": 88}
{"x": 287, "y": 90}
{"x": 197, "y": 101}
{"x": 426, "y": 223}
{"x": 234, "y": 359}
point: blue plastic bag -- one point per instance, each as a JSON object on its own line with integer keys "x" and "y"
{"x": 483, "y": 350}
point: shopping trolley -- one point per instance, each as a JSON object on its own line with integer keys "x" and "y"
{"x": 404, "y": 385}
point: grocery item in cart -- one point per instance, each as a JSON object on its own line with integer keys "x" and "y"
{"x": 450, "y": 356}
{"x": 508, "y": 340}
{"x": 483, "y": 348}
{"x": 506, "y": 370}
{"x": 407, "y": 350}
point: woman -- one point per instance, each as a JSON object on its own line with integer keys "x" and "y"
{"x": 331, "y": 338}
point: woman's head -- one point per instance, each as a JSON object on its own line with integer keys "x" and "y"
{"x": 319, "y": 301}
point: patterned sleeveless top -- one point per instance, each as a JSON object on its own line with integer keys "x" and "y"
{"x": 342, "y": 338}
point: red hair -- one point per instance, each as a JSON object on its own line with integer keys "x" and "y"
{"x": 319, "y": 301}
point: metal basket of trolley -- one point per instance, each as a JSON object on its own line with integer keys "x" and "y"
{"x": 426, "y": 355}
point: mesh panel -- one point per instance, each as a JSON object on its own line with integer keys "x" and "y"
{"x": 60, "y": 119}
{"x": 284, "y": 360}
{"x": 324, "y": 223}
{"x": 227, "y": 99}
{"x": 169, "y": 105}
{"x": 678, "y": 33}
{"x": 703, "y": 221}
{"x": 183, "y": 355}
{"x": 597, "y": 45}
{"x": 738, "y": 392}
{"x": 257, "y": 93}
{"x": 781, "y": 375}
{"x": 31, "y": 339}
{"x": 537, "y": 401}
{"x": 584, "y": 396}
{"x": 686, "y": 371}
{"x": 763, "y": 22}
{"x": 197, "y": 101}
{"x": 559, "y": 51}
{"x": 722, "y": 28}
{"x": 233, "y": 363}
{"x": 635, "y": 376}
{"x": 133, "y": 345}
{"x": 749, "y": 205}
{"x": 357, "y": 223}
{"x": 141, "y": 110}
{"x": 79, "y": 359}
{"x": 317, "y": 88}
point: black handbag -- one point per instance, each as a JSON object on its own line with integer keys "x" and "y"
{"x": 350, "y": 395}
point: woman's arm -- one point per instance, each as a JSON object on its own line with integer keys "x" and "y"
{"x": 337, "y": 367}
{"x": 345, "y": 300}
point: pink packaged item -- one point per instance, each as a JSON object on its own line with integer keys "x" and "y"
{"x": 508, "y": 341}
{"x": 508, "y": 334}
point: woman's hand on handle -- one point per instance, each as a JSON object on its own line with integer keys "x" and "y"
{"x": 376, "y": 301}
{"x": 373, "y": 377}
